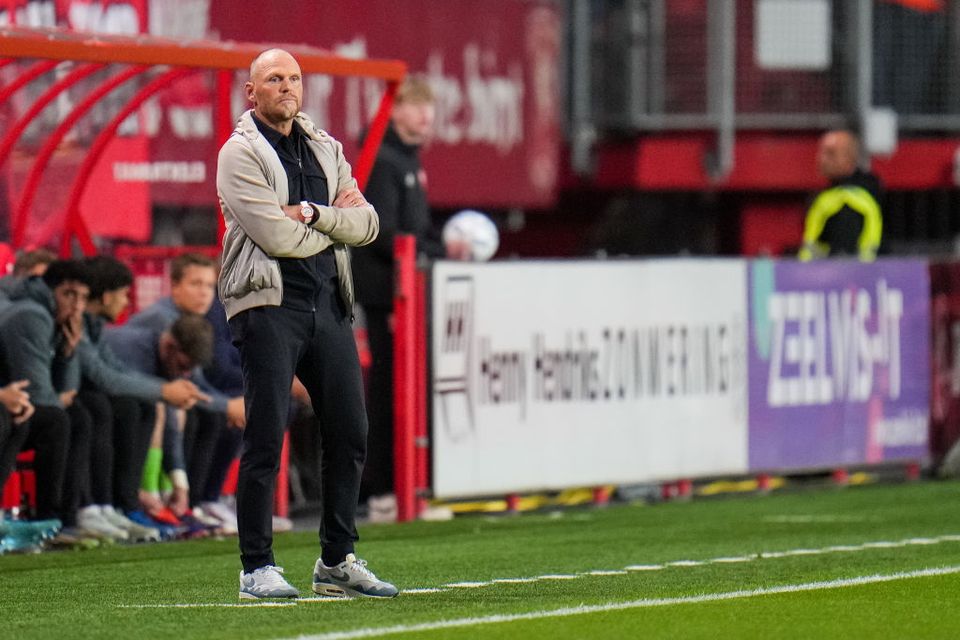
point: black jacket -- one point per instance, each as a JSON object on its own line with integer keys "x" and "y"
{"x": 396, "y": 191}
{"x": 842, "y": 230}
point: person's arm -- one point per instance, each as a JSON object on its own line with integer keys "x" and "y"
{"x": 252, "y": 202}
{"x": 27, "y": 346}
{"x": 102, "y": 368}
{"x": 354, "y": 224}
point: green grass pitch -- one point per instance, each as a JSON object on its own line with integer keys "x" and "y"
{"x": 861, "y": 562}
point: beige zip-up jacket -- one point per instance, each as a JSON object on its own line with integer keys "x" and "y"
{"x": 252, "y": 186}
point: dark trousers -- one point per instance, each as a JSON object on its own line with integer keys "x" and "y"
{"x": 119, "y": 439}
{"x": 210, "y": 445}
{"x": 133, "y": 422}
{"x": 318, "y": 346}
{"x": 101, "y": 445}
{"x": 12, "y": 437}
{"x": 378, "y": 472}
{"x": 227, "y": 447}
{"x": 48, "y": 434}
{"x": 76, "y": 483}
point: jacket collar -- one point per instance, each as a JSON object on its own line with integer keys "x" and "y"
{"x": 247, "y": 127}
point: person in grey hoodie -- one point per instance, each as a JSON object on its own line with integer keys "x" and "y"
{"x": 291, "y": 208}
{"x": 39, "y": 335}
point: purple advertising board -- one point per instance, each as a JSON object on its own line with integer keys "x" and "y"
{"x": 838, "y": 363}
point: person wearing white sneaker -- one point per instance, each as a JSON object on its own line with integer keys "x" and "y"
{"x": 223, "y": 513}
{"x": 292, "y": 209}
{"x": 349, "y": 578}
{"x": 90, "y": 520}
{"x": 135, "y": 532}
{"x": 265, "y": 582}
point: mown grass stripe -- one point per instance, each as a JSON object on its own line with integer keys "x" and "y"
{"x": 633, "y": 604}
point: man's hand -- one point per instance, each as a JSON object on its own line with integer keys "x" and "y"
{"x": 13, "y": 396}
{"x": 179, "y": 501}
{"x": 350, "y": 198}
{"x": 182, "y": 394}
{"x": 17, "y": 401}
{"x": 66, "y": 398}
{"x": 72, "y": 331}
{"x": 236, "y": 413}
{"x": 150, "y": 502}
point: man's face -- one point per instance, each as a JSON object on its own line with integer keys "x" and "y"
{"x": 114, "y": 302}
{"x": 175, "y": 363}
{"x": 836, "y": 157}
{"x": 195, "y": 290}
{"x": 413, "y": 121}
{"x": 276, "y": 88}
{"x": 71, "y": 299}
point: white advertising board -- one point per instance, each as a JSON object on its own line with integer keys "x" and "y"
{"x": 554, "y": 374}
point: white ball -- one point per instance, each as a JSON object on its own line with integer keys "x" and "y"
{"x": 477, "y": 230}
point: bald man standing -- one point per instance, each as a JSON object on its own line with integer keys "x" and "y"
{"x": 292, "y": 208}
{"x": 844, "y": 219}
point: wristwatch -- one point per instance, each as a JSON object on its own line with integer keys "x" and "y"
{"x": 306, "y": 211}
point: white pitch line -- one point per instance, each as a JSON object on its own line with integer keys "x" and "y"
{"x": 371, "y": 632}
{"x": 764, "y": 555}
{"x": 207, "y": 605}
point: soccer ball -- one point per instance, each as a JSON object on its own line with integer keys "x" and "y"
{"x": 476, "y": 230}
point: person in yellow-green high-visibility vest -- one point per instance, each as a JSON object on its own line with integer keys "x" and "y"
{"x": 844, "y": 219}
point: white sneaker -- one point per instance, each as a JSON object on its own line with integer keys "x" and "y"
{"x": 206, "y": 519}
{"x": 223, "y": 513}
{"x": 136, "y": 532}
{"x": 281, "y": 524}
{"x": 382, "y": 509}
{"x": 350, "y": 578}
{"x": 437, "y": 513}
{"x": 265, "y": 582}
{"x": 90, "y": 519}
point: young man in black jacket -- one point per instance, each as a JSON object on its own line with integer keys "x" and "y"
{"x": 397, "y": 188}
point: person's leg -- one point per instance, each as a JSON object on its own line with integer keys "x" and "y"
{"x": 227, "y": 448}
{"x": 269, "y": 340}
{"x": 330, "y": 371}
{"x": 206, "y": 433}
{"x": 49, "y": 436}
{"x": 101, "y": 445}
{"x": 133, "y": 427}
{"x": 378, "y": 471}
{"x": 12, "y": 437}
{"x": 77, "y": 481}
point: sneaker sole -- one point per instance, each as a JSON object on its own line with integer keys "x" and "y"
{"x": 249, "y": 596}
{"x": 334, "y": 591}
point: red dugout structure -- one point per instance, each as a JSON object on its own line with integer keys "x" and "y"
{"x": 163, "y": 62}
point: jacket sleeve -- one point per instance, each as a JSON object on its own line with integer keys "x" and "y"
{"x": 353, "y": 226}
{"x": 218, "y": 401}
{"x": 100, "y": 368}
{"x": 248, "y": 198}
{"x": 27, "y": 345}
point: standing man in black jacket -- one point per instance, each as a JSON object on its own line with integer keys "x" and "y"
{"x": 397, "y": 188}
{"x": 845, "y": 218}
